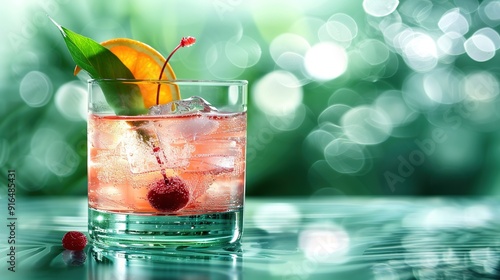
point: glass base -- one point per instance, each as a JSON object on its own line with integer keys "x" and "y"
{"x": 120, "y": 230}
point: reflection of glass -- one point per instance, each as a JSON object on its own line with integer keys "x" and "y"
{"x": 173, "y": 177}
{"x": 181, "y": 264}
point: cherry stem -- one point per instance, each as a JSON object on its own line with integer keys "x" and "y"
{"x": 156, "y": 151}
{"x": 185, "y": 42}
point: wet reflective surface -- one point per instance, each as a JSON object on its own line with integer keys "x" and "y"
{"x": 340, "y": 238}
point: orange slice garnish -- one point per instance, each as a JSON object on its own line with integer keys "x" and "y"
{"x": 145, "y": 63}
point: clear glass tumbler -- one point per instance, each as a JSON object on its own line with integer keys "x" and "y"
{"x": 170, "y": 175}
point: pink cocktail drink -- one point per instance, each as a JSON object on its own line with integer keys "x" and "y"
{"x": 173, "y": 175}
{"x": 204, "y": 150}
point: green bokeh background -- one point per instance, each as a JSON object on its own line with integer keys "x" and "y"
{"x": 445, "y": 146}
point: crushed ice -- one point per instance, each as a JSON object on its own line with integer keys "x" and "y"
{"x": 190, "y": 105}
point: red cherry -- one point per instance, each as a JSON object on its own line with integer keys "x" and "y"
{"x": 74, "y": 240}
{"x": 187, "y": 41}
{"x": 168, "y": 195}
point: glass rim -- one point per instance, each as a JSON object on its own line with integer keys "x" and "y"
{"x": 176, "y": 81}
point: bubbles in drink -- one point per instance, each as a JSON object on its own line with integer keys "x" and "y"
{"x": 103, "y": 134}
{"x": 190, "y": 140}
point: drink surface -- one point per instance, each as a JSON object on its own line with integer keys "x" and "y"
{"x": 205, "y": 150}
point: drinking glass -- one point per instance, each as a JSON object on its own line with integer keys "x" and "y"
{"x": 172, "y": 175}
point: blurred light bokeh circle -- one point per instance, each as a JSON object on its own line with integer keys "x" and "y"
{"x": 353, "y": 83}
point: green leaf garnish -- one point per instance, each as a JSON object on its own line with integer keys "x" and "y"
{"x": 101, "y": 63}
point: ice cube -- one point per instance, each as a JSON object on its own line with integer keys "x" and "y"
{"x": 217, "y": 147}
{"x": 184, "y": 106}
{"x": 139, "y": 154}
{"x": 214, "y": 156}
{"x": 142, "y": 158}
{"x": 212, "y": 164}
{"x": 186, "y": 128}
{"x": 104, "y": 134}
